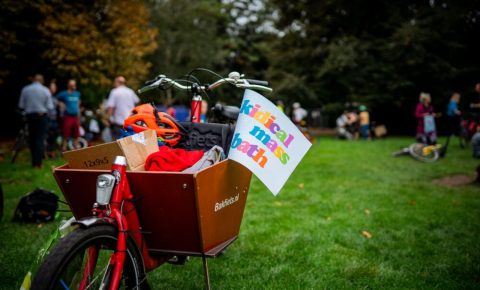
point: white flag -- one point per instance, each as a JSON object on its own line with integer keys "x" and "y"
{"x": 266, "y": 141}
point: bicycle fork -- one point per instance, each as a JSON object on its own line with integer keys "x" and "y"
{"x": 113, "y": 204}
{"x": 120, "y": 193}
{"x": 113, "y": 273}
{"x": 117, "y": 260}
{"x": 112, "y": 191}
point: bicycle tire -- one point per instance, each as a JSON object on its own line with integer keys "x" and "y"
{"x": 55, "y": 268}
{"x": 403, "y": 151}
{"x": 416, "y": 151}
{"x": 81, "y": 141}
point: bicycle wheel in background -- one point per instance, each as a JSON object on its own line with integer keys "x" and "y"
{"x": 66, "y": 264}
{"x": 403, "y": 151}
{"x": 20, "y": 142}
{"x": 82, "y": 142}
{"x": 417, "y": 152}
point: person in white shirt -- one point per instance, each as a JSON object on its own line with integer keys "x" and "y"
{"x": 299, "y": 113}
{"x": 342, "y": 124}
{"x": 120, "y": 102}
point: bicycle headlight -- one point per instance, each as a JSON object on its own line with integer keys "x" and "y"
{"x": 105, "y": 183}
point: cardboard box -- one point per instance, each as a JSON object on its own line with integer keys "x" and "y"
{"x": 135, "y": 148}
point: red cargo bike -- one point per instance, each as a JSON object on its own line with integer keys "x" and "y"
{"x": 131, "y": 222}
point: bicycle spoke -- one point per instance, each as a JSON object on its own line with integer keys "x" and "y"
{"x": 101, "y": 273}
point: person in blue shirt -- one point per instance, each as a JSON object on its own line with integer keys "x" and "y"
{"x": 453, "y": 115}
{"x": 69, "y": 102}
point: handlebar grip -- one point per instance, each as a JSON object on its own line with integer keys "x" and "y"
{"x": 257, "y": 82}
{"x": 145, "y": 89}
{"x": 147, "y": 83}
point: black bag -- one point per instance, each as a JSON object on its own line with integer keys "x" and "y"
{"x": 203, "y": 136}
{"x": 39, "y": 206}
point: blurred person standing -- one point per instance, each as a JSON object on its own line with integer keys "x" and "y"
{"x": 476, "y": 145}
{"x": 70, "y": 101}
{"x": 425, "y": 115}
{"x": 343, "y": 126}
{"x": 299, "y": 113}
{"x": 353, "y": 125}
{"x": 36, "y": 101}
{"x": 476, "y": 103}
{"x": 52, "y": 131}
{"x": 53, "y": 86}
{"x": 280, "y": 106}
{"x": 453, "y": 115}
{"x": 364, "y": 119}
{"x": 120, "y": 102}
{"x": 102, "y": 114}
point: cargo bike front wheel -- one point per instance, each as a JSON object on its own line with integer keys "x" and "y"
{"x": 81, "y": 261}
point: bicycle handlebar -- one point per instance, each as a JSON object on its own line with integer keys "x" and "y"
{"x": 257, "y": 82}
{"x": 234, "y": 78}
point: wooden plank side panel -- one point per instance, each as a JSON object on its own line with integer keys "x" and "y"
{"x": 167, "y": 212}
{"x": 221, "y": 196}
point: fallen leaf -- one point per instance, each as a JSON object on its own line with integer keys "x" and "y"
{"x": 412, "y": 202}
{"x": 366, "y": 211}
{"x": 301, "y": 185}
{"x": 278, "y": 204}
{"x": 366, "y": 234}
{"x": 39, "y": 226}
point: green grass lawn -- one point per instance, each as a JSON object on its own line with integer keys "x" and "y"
{"x": 423, "y": 235}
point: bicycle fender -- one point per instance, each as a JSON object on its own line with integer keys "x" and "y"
{"x": 92, "y": 221}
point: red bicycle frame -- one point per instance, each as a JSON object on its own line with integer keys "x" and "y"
{"x": 196, "y": 108}
{"x": 114, "y": 212}
{"x": 121, "y": 213}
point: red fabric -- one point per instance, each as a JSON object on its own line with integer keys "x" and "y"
{"x": 169, "y": 159}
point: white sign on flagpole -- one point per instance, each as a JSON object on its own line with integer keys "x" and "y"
{"x": 266, "y": 141}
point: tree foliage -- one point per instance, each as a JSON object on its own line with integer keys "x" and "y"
{"x": 321, "y": 53}
{"x": 97, "y": 40}
{"x": 192, "y": 34}
{"x": 382, "y": 54}
{"x": 19, "y": 39}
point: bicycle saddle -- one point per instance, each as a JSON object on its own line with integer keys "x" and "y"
{"x": 229, "y": 112}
